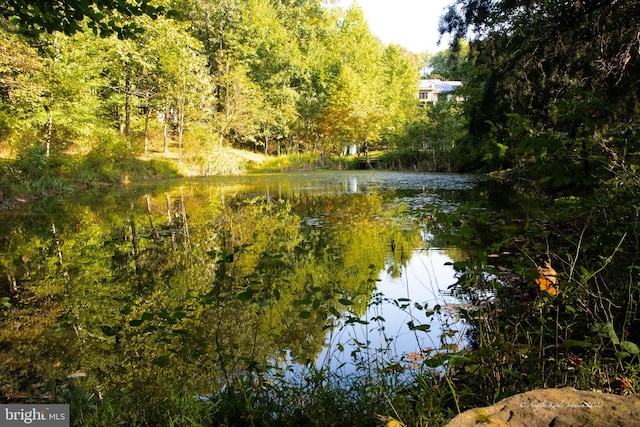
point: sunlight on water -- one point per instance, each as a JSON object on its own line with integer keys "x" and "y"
{"x": 397, "y": 317}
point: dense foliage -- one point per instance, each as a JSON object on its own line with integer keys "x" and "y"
{"x": 105, "y": 17}
{"x": 270, "y": 76}
{"x": 556, "y": 83}
{"x": 553, "y": 104}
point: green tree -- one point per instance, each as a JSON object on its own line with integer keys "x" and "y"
{"x": 181, "y": 82}
{"x": 239, "y": 105}
{"x": 449, "y": 64}
{"x": 568, "y": 71}
{"x": 73, "y": 78}
{"x": 400, "y": 83}
{"x": 353, "y": 111}
{"x": 105, "y": 17}
{"x": 21, "y": 89}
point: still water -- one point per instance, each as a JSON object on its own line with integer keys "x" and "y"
{"x": 197, "y": 281}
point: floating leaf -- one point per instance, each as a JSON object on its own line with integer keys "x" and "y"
{"x": 304, "y": 301}
{"x": 108, "y": 331}
{"x": 355, "y": 320}
{"x": 245, "y": 296}
{"x": 162, "y": 361}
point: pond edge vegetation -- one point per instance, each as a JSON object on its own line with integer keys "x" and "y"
{"x": 550, "y": 109}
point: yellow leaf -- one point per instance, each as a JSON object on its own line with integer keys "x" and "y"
{"x": 547, "y": 279}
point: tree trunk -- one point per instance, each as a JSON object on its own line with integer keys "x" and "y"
{"x": 49, "y": 135}
{"x": 164, "y": 135}
{"x": 127, "y": 100}
{"x": 180, "y": 127}
{"x": 146, "y": 130}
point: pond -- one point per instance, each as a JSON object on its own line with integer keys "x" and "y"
{"x": 197, "y": 282}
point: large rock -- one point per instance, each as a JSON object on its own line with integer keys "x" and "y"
{"x": 558, "y": 407}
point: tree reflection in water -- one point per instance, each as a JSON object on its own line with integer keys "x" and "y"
{"x": 196, "y": 283}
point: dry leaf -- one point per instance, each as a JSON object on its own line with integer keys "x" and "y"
{"x": 547, "y": 279}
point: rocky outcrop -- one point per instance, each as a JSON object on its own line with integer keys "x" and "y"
{"x": 560, "y": 407}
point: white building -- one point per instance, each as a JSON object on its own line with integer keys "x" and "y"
{"x": 431, "y": 90}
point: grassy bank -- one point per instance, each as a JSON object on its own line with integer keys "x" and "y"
{"x": 33, "y": 174}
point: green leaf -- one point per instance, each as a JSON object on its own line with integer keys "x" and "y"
{"x": 345, "y": 301}
{"x": 245, "y": 296}
{"x": 352, "y": 319}
{"x": 305, "y": 301}
{"x": 304, "y": 314}
{"x": 137, "y": 322}
{"x": 629, "y": 347}
{"x": 108, "y": 331}
{"x": 4, "y": 301}
{"x": 424, "y": 328}
{"x": 162, "y": 361}
{"x": 607, "y": 331}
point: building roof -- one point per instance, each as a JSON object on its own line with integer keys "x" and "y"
{"x": 439, "y": 86}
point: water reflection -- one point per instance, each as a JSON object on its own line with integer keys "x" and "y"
{"x": 410, "y": 317}
{"x": 195, "y": 282}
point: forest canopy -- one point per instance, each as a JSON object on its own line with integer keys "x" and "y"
{"x": 104, "y": 17}
{"x": 273, "y": 76}
{"x": 555, "y": 79}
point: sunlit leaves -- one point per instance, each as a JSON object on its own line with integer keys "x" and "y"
{"x": 106, "y": 17}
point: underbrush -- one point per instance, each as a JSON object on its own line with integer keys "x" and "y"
{"x": 296, "y": 162}
{"x": 556, "y": 305}
{"x": 428, "y": 160}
